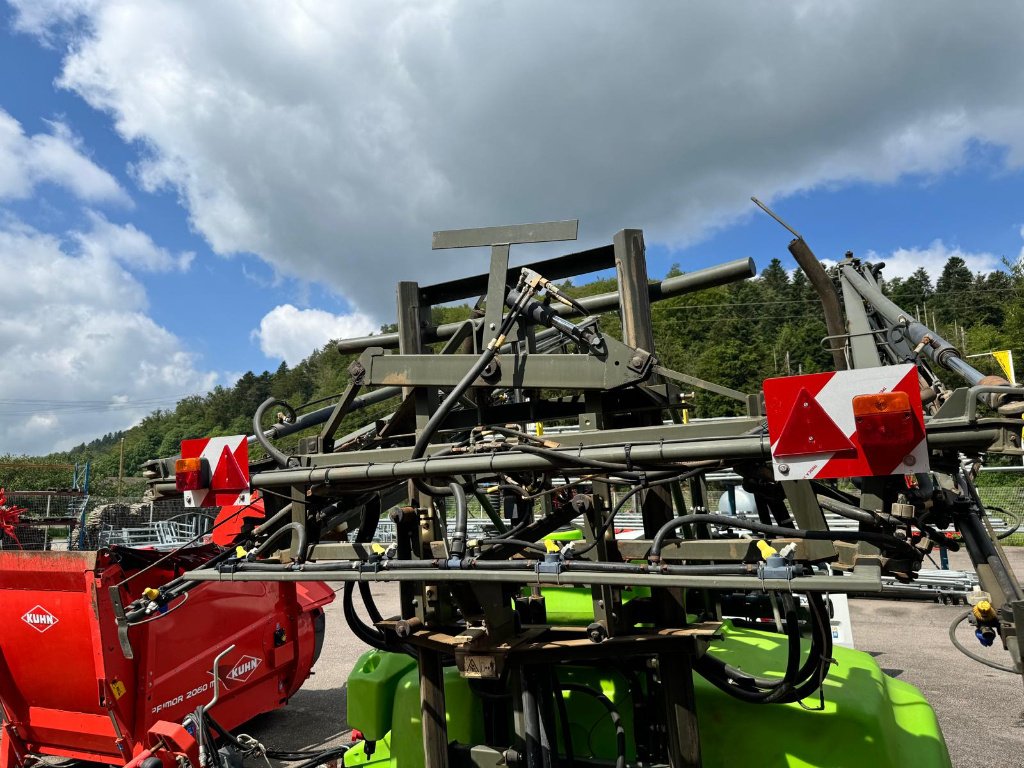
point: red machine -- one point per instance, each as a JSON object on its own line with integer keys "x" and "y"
{"x": 78, "y": 681}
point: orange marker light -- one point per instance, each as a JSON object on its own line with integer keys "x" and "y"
{"x": 884, "y": 419}
{"x": 189, "y": 474}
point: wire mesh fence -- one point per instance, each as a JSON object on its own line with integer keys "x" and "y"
{"x": 1005, "y": 505}
{"x": 63, "y": 521}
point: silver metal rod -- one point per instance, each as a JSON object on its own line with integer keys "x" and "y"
{"x": 863, "y": 578}
{"x": 216, "y": 677}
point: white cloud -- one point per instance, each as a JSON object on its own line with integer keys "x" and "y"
{"x": 130, "y": 246}
{"x": 55, "y": 158}
{"x": 81, "y": 357}
{"x": 903, "y": 262}
{"x": 39, "y": 17}
{"x": 331, "y": 138}
{"x": 293, "y": 334}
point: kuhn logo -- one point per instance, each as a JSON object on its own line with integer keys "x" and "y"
{"x": 39, "y": 618}
{"x": 243, "y": 669}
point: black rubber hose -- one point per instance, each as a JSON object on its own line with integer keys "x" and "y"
{"x": 613, "y": 713}
{"x": 522, "y": 543}
{"x": 257, "y": 429}
{"x": 847, "y": 510}
{"x": 499, "y": 565}
{"x": 457, "y": 541}
{"x": 756, "y": 689}
{"x": 632, "y": 473}
{"x": 710, "y": 570}
{"x": 823, "y": 657}
{"x": 531, "y": 720}
{"x": 300, "y": 533}
{"x": 969, "y": 653}
{"x": 881, "y": 539}
{"x": 621, "y": 503}
{"x": 276, "y": 754}
{"x": 798, "y": 686}
{"x": 563, "y": 717}
{"x": 369, "y": 635}
{"x": 419, "y": 448}
{"x": 178, "y": 585}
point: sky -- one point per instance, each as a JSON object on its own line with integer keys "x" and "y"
{"x": 189, "y": 191}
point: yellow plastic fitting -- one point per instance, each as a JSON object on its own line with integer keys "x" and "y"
{"x": 984, "y": 611}
{"x": 766, "y": 549}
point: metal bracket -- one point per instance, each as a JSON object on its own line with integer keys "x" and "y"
{"x": 122, "y": 623}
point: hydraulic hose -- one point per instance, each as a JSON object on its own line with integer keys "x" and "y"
{"x": 457, "y": 541}
{"x": 281, "y": 514}
{"x": 968, "y": 652}
{"x": 617, "y": 470}
{"x": 622, "y": 501}
{"x": 847, "y": 510}
{"x": 423, "y": 439}
{"x": 531, "y": 721}
{"x": 300, "y": 533}
{"x": 871, "y": 537}
{"x": 522, "y": 543}
{"x": 613, "y": 714}
{"x": 257, "y": 429}
{"x": 797, "y": 684}
{"x": 369, "y": 635}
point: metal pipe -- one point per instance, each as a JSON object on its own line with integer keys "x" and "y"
{"x": 216, "y": 677}
{"x": 819, "y": 280}
{"x": 826, "y": 291}
{"x": 846, "y": 510}
{"x": 448, "y": 466}
{"x": 745, "y": 449}
{"x": 300, "y": 535}
{"x": 863, "y": 578}
{"x": 710, "y": 277}
{"x": 319, "y": 416}
{"x": 934, "y": 346}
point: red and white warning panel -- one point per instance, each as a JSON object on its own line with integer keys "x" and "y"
{"x": 214, "y": 471}
{"x": 847, "y": 423}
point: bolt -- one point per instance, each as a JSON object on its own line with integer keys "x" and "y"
{"x": 910, "y": 460}
{"x": 492, "y": 326}
{"x": 784, "y": 469}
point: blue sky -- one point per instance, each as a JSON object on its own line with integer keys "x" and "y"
{"x": 190, "y": 191}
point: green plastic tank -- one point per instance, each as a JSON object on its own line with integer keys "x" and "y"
{"x": 371, "y": 691}
{"x": 868, "y": 718}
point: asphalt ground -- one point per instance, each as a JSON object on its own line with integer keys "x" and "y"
{"x": 980, "y": 710}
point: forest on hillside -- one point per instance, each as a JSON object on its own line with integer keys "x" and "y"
{"x": 736, "y": 335}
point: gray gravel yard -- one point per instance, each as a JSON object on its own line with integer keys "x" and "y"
{"x": 981, "y": 710}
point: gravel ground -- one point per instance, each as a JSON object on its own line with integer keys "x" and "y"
{"x": 981, "y": 711}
